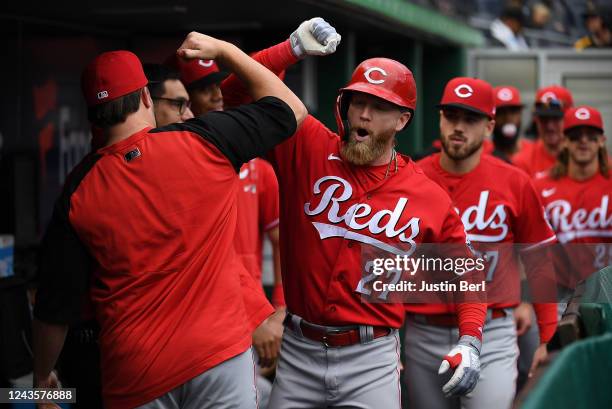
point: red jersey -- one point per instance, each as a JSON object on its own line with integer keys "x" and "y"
{"x": 258, "y": 199}
{"x": 330, "y": 209}
{"x": 580, "y": 213}
{"x": 144, "y": 227}
{"x": 498, "y": 204}
{"x": 536, "y": 161}
{"x": 257, "y": 212}
{"x": 525, "y": 147}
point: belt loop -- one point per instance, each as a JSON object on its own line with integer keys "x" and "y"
{"x": 366, "y": 333}
{"x": 489, "y": 315}
{"x": 295, "y": 325}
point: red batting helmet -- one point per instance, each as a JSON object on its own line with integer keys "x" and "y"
{"x": 383, "y": 78}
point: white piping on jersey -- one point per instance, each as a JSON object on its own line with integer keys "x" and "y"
{"x": 581, "y": 234}
{"x": 329, "y": 230}
{"x": 536, "y": 245}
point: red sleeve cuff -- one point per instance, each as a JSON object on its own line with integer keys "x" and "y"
{"x": 278, "y": 296}
{"x": 471, "y": 318}
{"x": 547, "y": 320}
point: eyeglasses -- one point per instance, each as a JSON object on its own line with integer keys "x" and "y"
{"x": 180, "y": 103}
{"x": 576, "y": 134}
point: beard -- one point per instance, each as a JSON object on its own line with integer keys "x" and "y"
{"x": 506, "y": 135}
{"x": 583, "y": 158}
{"x": 363, "y": 153}
{"x": 462, "y": 152}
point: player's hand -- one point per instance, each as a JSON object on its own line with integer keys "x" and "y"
{"x": 464, "y": 359}
{"x": 522, "y": 317}
{"x": 267, "y": 340}
{"x": 314, "y": 37}
{"x": 198, "y": 45}
{"x": 539, "y": 357}
{"x": 51, "y": 381}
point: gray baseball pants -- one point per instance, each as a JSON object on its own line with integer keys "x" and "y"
{"x": 425, "y": 346}
{"x": 311, "y": 375}
{"x": 229, "y": 385}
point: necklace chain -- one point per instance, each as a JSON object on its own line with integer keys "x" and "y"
{"x": 393, "y": 159}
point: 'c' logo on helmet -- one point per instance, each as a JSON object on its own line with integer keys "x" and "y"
{"x": 464, "y": 91}
{"x": 369, "y": 71}
{"x": 206, "y": 63}
{"x": 505, "y": 94}
{"x": 583, "y": 114}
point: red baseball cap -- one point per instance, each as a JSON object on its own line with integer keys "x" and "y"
{"x": 507, "y": 96}
{"x": 582, "y": 116}
{"x": 553, "y": 101}
{"x": 471, "y": 94}
{"x": 197, "y": 73}
{"x": 112, "y": 75}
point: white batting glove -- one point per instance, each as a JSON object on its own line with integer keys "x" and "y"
{"x": 314, "y": 37}
{"x": 464, "y": 358}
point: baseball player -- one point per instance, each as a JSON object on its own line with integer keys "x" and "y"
{"x": 498, "y": 205}
{"x": 171, "y": 102}
{"x": 576, "y": 194}
{"x": 342, "y": 193}
{"x": 142, "y": 227}
{"x": 550, "y": 104}
{"x": 507, "y": 132}
{"x": 211, "y": 89}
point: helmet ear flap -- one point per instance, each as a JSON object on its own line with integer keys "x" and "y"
{"x": 341, "y": 113}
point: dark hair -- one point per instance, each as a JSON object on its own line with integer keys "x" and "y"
{"x": 158, "y": 74}
{"x": 114, "y": 112}
{"x": 513, "y": 12}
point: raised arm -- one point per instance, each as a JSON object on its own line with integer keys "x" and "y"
{"x": 259, "y": 81}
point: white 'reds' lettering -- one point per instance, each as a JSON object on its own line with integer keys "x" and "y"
{"x": 359, "y": 217}
{"x": 475, "y": 217}
{"x": 569, "y": 223}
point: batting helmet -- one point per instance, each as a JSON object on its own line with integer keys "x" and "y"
{"x": 383, "y": 78}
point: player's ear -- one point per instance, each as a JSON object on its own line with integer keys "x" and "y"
{"x": 145, "y": 96}
{"x": 403, "y": 119}
{"x": 490, "y": 127}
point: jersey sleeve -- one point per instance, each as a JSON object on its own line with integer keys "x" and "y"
{"x": 521, "y": 162}
{"x": 267, "y": 196}
{"x": 471, "y": 310}
{"x": 278, "y": 296}
{"x": 546, "y": 314}
{"x": 276, "y": 58}
{"x": 64, "y": 270}
{"x": 257, "y": 306}
{"x": 243, "y": 133}
{"x": 292, "y": 154}
{"x": 452, "y": 229}
{"x": 531, "y": 226}
{"x": 471, "y": 318}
